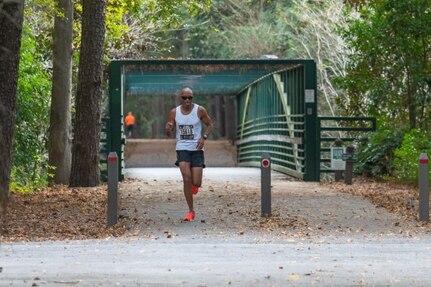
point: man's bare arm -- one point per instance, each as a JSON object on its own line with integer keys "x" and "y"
{"x": 170, "y": 124}
{"x": 205, "y": 118}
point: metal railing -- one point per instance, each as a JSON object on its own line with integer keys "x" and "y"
{"x": 285, "y": 145}
{"x": 348, "y": 129}
{"x": 271, "y": 119}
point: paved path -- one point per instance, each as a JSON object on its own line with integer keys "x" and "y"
{"x": 176, "y": 262}
{"x": 249, "y": 259}
{"x": 213, "y": 173}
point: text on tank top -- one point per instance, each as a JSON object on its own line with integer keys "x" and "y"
{"x": 188, "y": 129}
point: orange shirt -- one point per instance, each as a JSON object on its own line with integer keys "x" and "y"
{"x": 129, "y": 120}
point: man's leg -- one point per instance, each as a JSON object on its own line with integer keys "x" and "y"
{"x": 197, "y": 165}
{"x": 197, "y": 176}
{"x": 187, "y": 182}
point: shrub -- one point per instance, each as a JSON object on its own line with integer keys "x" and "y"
{"x": 407, "y": 155}
{"x": 32, "y": 121}
{"x": 376, "y": 152}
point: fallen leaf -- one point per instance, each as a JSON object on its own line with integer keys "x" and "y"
{"x": 294, "y": 277}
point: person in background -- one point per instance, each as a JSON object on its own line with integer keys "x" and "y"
{"x": 130, "y": 124}
{"x": 187, "y": 120}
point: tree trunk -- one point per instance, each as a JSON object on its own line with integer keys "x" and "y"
{"x": 184, "y": 44}
{"x": 140, "y": 104}
{"x": 212, "y": 112}
{"x": 220, "y": 116}
{"x": 230, "y": 119}
{"x": 85, "y": 150}
{"x": 59, "y": 141}
{"x": 411, "y": 90}
{"x": 11, "y": 18}
{"x": 161, "y": 119}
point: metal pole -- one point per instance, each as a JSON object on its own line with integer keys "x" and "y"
{"x": 348, "y": 174}
{"x": 265, "y": 184}
{"x": 424, "y": 207}
{"x": 112, "y": 188}
{"x": 338, "y": 173}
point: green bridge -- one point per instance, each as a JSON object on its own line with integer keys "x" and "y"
{"x": 276, "y": 108}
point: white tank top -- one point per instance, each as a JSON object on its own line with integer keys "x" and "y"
{"x": 188, "y": 129}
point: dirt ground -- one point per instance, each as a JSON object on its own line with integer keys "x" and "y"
{"x": 299, "y": 210}
{"x": 153, "y": 210}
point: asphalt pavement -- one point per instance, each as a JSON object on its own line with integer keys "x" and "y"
{"x": 213, "y": 173}
{"x": 137, "y": 262}
{"x": 240, "y": 260}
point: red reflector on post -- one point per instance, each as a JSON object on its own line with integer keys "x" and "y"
{"x": 112, "y": 158}
{"x": 265, "y": 162}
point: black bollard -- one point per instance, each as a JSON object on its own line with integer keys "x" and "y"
{"x": 338, "y": 173}
{"x": 112, "y": 188}
{"x": 265, "y": 184}
{"x": 424, "y": 192}
{"x": 348, "y": 174}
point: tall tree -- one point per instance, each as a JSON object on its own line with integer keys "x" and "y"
{"x": 11, "y": 19}
{"x": 85, "y": 149}
{"x": 390, "y": 68}
{"x": 59, "y": 142}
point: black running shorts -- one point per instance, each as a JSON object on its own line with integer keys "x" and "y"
{"x": 195, "y": 157}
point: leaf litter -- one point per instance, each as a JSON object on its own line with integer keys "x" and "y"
{"x": 153, "y": 210}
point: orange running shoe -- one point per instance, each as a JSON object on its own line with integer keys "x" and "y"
{"x": 195, "y": 189}
{"x": 190, "y": 216}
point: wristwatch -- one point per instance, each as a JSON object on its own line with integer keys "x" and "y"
{"x": 205, "y": 137}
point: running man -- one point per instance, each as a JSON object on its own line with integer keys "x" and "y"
{"x": 187, "y": 120}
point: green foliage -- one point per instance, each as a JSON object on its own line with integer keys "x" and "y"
{"x": 173, "y": 13}
{"x": 388, "y": 78}
{"x": 376, "y": 153}
{"x": 135, "y": 27}
{"x": 39, "y": 19}
{"x": 393, "y": 153}
{"x": 238, "y": 29}
{"x": 34, "y": 90}
{"x": 407, "y": 155}
{"x": 116, "y": 26}
{"x": 388, "y": 75}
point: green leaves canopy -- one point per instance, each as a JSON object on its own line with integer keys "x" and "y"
{"x": 34, "y": 88}
{"x": 389, "y": 71}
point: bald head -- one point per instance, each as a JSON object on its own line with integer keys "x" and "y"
{"x": 186, "y": 91}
